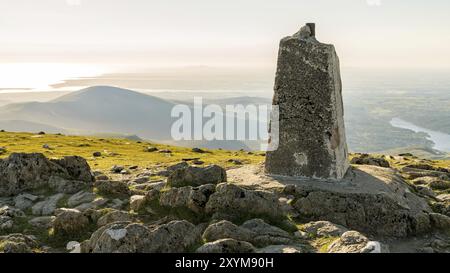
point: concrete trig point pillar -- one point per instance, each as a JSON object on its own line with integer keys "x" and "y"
{"x": 308, "y": 92}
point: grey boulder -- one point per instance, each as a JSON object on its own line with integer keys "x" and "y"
{"x": 227, "y": 246}
{"x": 195, "y": 176}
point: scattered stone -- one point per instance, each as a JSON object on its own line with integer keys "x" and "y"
{"x": 26, "y": 172}
{"x": 97, "y": 203}
{"x": 284, "y": 249}
{"x": 117, "y": 203}
{"x": 266, "y": 234}
{"x": 62, "y": 185}
{"x": 141, "y": 180}
{"x": 6, "y": 222}
{"x": 194, "y": 199}
{"x": 381, "y": 213}
{"x": 425, "y": 180}
{"x": 174, "y": 237}
{"x": 43, "y": 222}
{"x": 427, "y": 250}
{"x": 225, "y": 229}
{"x": 350, "y": 242}
{"x": 46, "y": 146}
{"x": 365, "y": 213}
{"x": 195, "y": 176}
{"x": 178, "y": 166}
{"x": 6, "y": 201}
{"x": 227, "y": 246}
{"x": 133, "y": 168}
{"x": 117, "y": 169}
{"x": 190, "y": 159}
{"x": 425, "y": 191}
{"x": 422, "y": 166}
{"x": 114, "y": 216}
{"x": 151, "y": 149}
{"x": 77, "y": 168}
{"x": 73, "y": 247}
{"x": 125, "y": 172}
{"x": 324, "y": 229}
{"x": 97, "y": 173}
{"x": 17, "y": 243}
{"x": 101, "y": 177}
{"x": 48, "y": 206}
{"x": 375, "y": 247}
{"x": 137, "y": 202}
{"x": 112, "y": 187}
{"x": 24, "y": 201}
{"x": 80, "y": 198}
{"x": 442, "y": 207}
{"x": 165, "y": 151}
{"x": 157, "y": 186}
{"x": 301, "y": 235}
{"x": 371, "y": 199}
{"x": 125, "y": 237}
{"x": 11, "y": 212}
{"x": 235, "y": 161}
{"x": 150, "y": 186}
{"x": 412, "y": 173}
{"x": 152, "y": 196}
{"x": 198, "y": 150}
{"x": 198, "y": 162}
{"x": 440, "y": 221}
{"x": 97, "y": 154}
{"x": 70, "y": 222}
{"x": 119, "y": 237}
{"x": 234, "y": 201}
{"x": 439, "y": 244}
{"x": 366, "y": 159}
{"x": 439, "y": 185}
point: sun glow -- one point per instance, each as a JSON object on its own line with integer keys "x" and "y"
{"x": 40, "y": 76}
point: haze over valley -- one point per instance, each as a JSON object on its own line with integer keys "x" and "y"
{"x": 372, "y": 100}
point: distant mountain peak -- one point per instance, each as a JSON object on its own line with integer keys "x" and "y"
{"x": 101, "y": 90}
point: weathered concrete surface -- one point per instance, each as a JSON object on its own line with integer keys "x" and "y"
{"x": 369, "y": 199}
{"x": 308, "y": 92}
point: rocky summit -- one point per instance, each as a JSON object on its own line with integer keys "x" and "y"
{"x": 50, "y": 205}
{"x": 309, "y": 196}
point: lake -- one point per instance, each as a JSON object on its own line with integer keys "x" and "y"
{"x": 441, "y": 140}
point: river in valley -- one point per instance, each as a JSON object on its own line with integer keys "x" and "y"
{"x": 441, "y": 140}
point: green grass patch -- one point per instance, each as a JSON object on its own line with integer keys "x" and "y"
{"x": 323, "y": 243}
{"x": 115, "y": 151}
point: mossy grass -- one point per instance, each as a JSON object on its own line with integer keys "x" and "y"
{"x": 323, "y": 243}
{"x": 116, "y": 151}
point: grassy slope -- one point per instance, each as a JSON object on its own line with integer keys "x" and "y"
{"x": 125, "y": 152}
{"x": 115, "y": 151}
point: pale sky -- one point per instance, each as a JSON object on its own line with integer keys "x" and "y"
{"x": 111, "y": 34}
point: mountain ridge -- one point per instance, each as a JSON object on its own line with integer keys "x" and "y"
{"x": 99, "y": 108}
